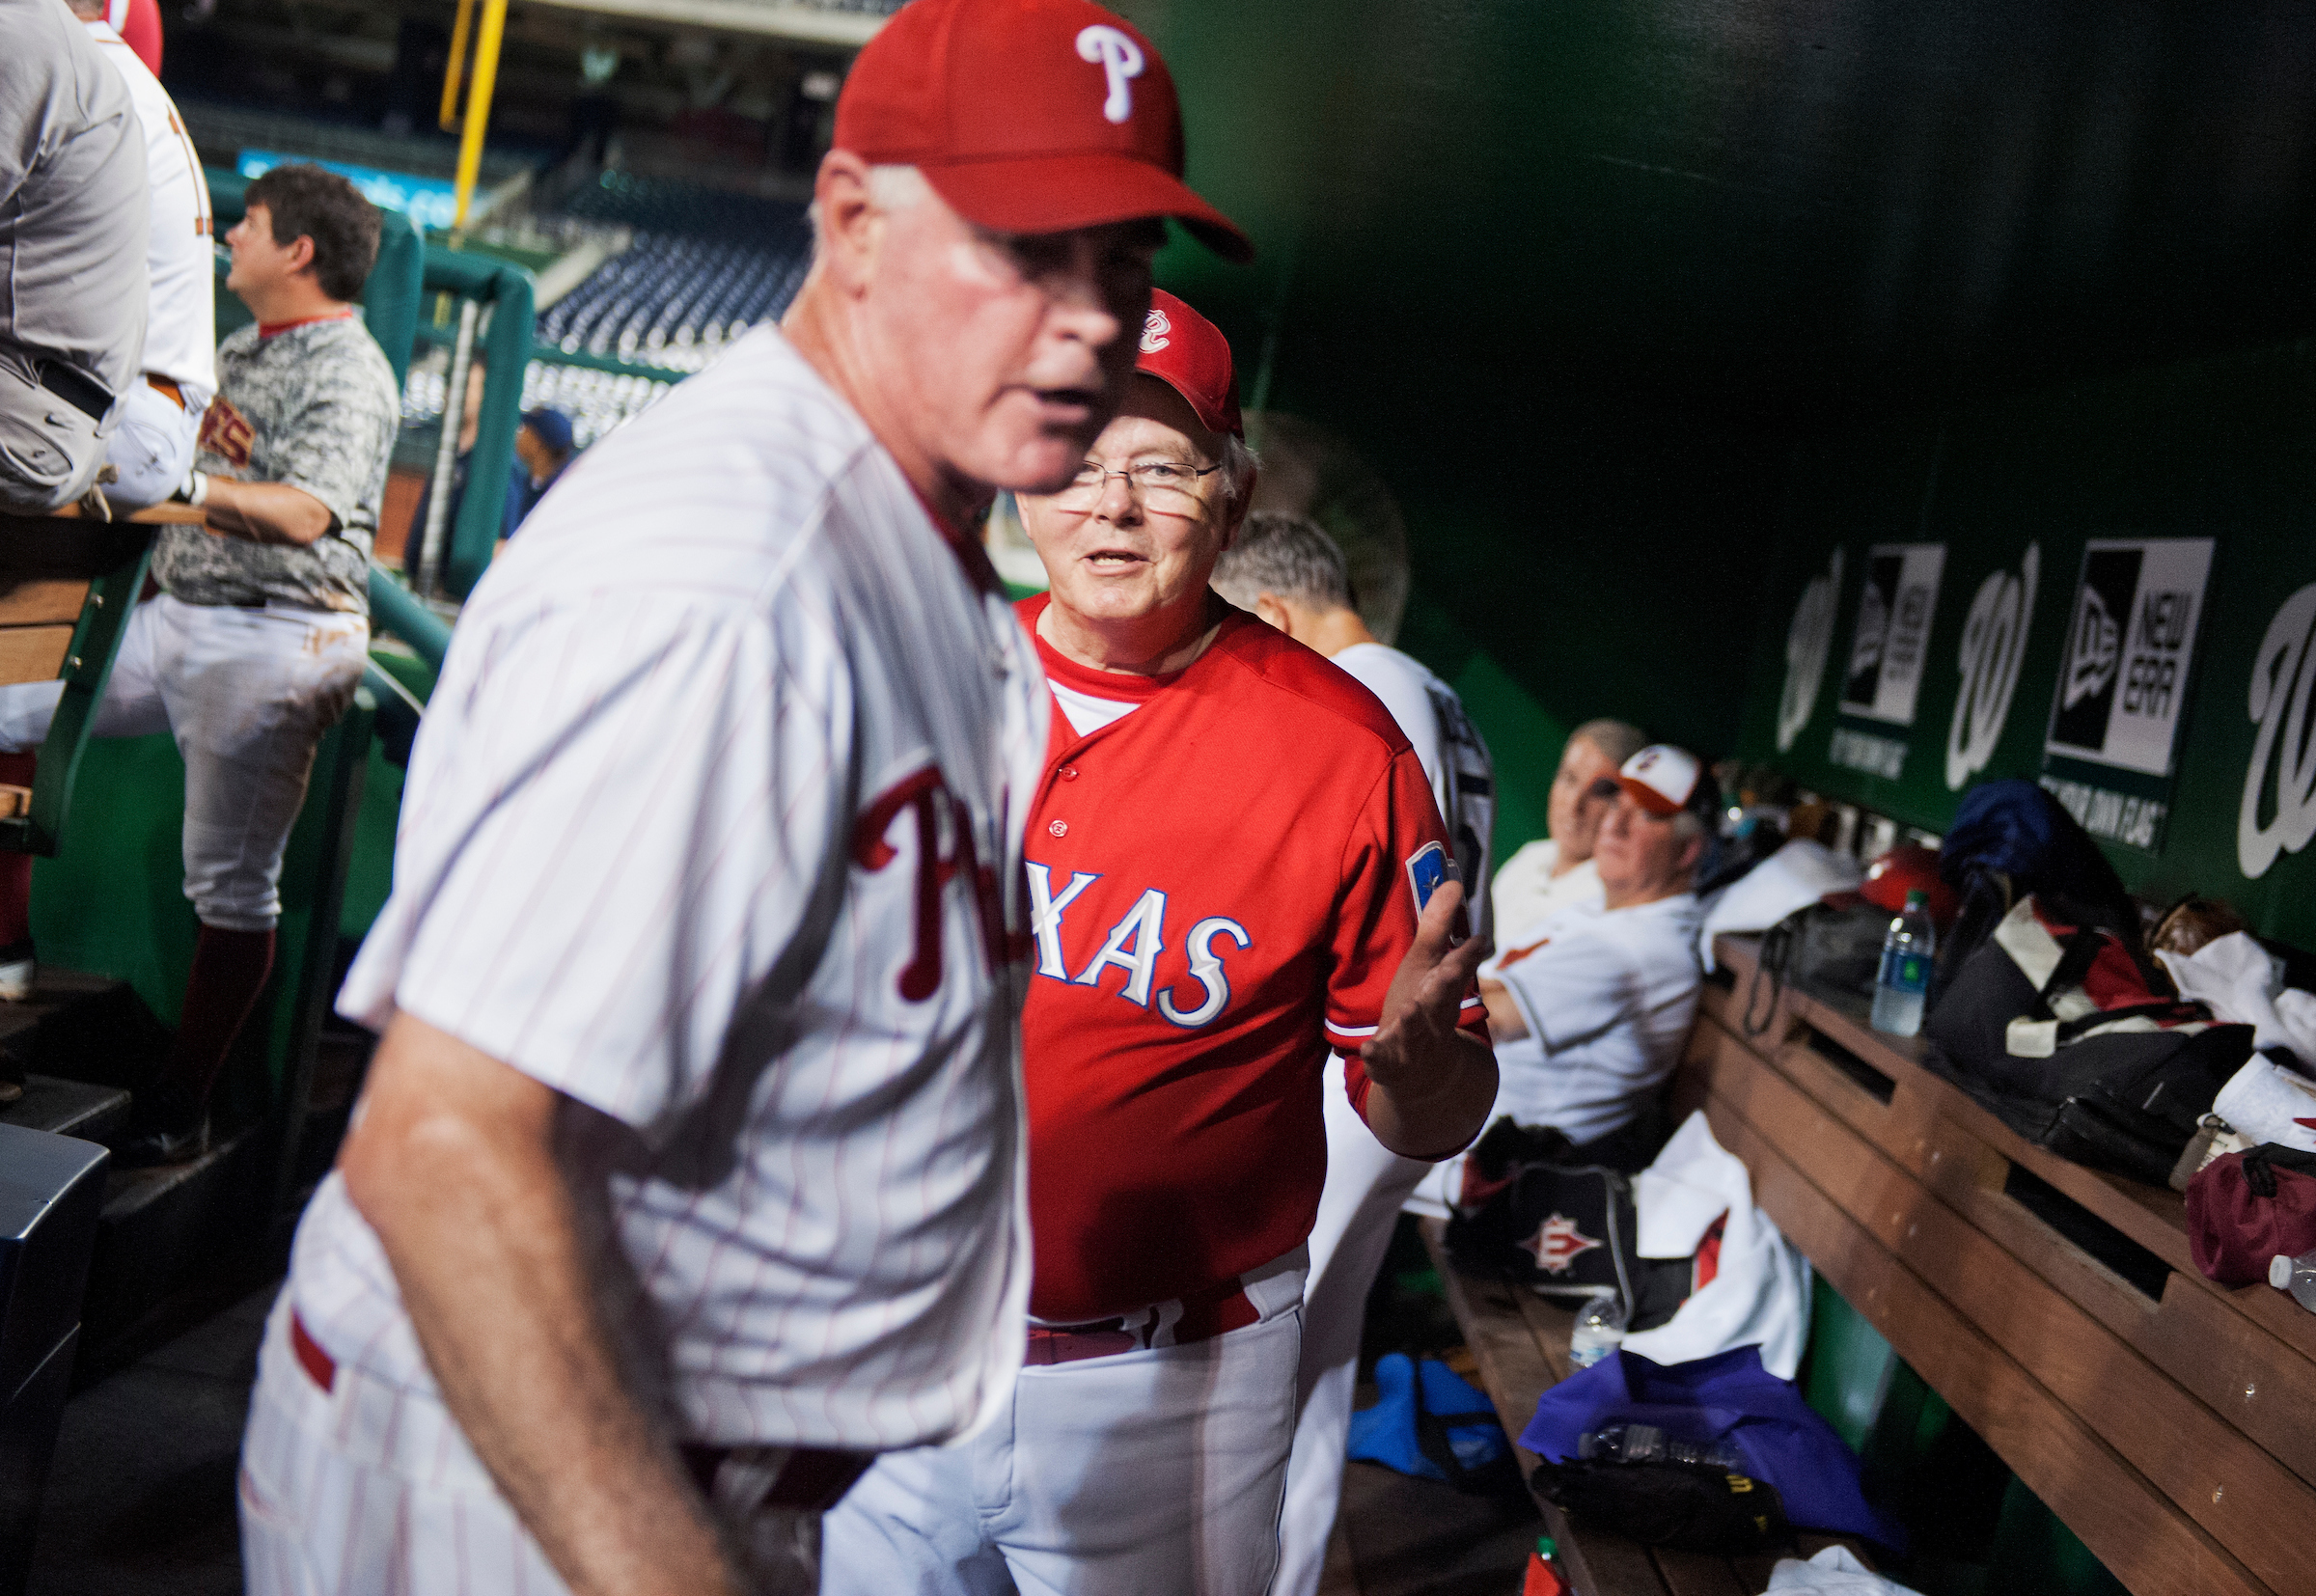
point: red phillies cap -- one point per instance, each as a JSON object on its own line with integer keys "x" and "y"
{"x": 1189, "y": 353}
{"x": 1028, "y": 115}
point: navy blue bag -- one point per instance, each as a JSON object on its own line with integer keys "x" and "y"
{"x": 1729, "y": 1394}
{"x": 2012, "y": 839}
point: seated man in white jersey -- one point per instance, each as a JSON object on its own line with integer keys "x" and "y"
{"x": 1590, "y": 1006}
{"x": 160, "y": 415}
{"x": 688, "y": 1173}
{"x": 1228, "y": 859}
{"x": 73, "y": 208}
{"x": 1557, "y": 869}
{"x": 1287, "y": 570}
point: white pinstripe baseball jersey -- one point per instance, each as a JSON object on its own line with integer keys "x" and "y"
{"x": 706, "y": 828}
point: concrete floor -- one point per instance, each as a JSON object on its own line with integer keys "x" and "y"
{"x": 141, "y": 1499}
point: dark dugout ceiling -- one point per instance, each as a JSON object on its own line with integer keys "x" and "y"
{"x": 1777, "y": 213}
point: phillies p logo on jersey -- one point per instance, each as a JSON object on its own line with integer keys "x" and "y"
{"x": 944, "y": 839}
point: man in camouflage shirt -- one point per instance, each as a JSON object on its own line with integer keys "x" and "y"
{"x": 255, "y": 645}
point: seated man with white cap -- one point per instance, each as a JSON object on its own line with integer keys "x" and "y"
{"x": 1589, "y": 1006}
{"x": 1557, "y": 869}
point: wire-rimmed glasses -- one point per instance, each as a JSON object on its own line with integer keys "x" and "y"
{"x": 1169, "y": 487}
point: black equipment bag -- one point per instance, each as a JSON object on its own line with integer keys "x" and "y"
{"x": 1682, "y": 1505}
{"x": 1830, "y": 946}
{"x": 1564, "y": 1231}
{"x": 2088, "y": 1061}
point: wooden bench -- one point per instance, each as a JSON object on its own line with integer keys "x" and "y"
{"x": 67, "y": 587}
{"x": 1519, "y": 1341}
{"x": 2169, "y": 1422}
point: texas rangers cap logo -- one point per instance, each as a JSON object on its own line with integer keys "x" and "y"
{"x": 1122, "y": 63}
{"x": 1557, "y": 1244}
{"x": 1155, "y": 328}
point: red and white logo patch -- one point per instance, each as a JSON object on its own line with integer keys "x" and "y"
{"x": 225, "y": 431}
{"x": 1557, "y": 1244}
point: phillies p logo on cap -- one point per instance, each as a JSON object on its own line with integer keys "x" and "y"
{"x": 1122, "y": 58}
{"x": 1028, "y": 115}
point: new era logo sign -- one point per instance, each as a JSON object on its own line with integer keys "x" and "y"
{"x": 1121, "y": 60}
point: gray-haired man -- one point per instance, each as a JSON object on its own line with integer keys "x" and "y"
{"x": 1287, "y": 570}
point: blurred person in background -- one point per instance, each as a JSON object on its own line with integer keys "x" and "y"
{"x": 253, "y": 648}
{"x": 543, "y": 448}
{"x": 73, "y": 222}
{"x": 1557, "y": 869}
{"x": 159, "y": 418}
{"x": 1289, "y": 571}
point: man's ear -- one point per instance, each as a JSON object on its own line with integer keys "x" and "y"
{"x": 1692, "y": 854}
{"x": 300, "y": 254}
{"x": 1271, "y": 610}
{"x": 849, "y": 222}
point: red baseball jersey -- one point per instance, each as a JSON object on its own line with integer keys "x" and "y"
{"x": 1222, "y": 884}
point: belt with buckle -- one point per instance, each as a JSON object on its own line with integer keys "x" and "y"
{"x": 75, "y": 387}
{"x": 1199, "y": 1317}
{"x": 811, "y": 1478}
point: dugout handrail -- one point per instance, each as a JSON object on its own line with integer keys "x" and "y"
{"x": 105, "y": 561}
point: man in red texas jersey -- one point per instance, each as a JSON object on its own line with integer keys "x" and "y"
{"x": 1226, "y": 859}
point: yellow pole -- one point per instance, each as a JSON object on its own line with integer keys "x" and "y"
{"x": 460, "y": 27}
{"x": 478, "y": 104}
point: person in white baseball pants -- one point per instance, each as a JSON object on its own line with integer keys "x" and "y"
{"x": 1185, "y": 1500}
{"x": 157, "y": 423}
{"x": 688, "y": 1177}
{"x": 1286, "y": 570}
{"x": 247, "y": 693}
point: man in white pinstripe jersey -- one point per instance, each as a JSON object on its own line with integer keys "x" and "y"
{"x": 688, "y": 1173}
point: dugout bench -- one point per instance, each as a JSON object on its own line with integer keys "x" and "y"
{"x": 2167, "y": 1422}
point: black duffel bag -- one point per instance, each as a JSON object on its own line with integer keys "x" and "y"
{"x": 1563, "y": 1229}
{"x": 2059, "y": 1029}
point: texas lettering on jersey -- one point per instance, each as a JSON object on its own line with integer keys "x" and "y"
{"x": 1134, "y": 946}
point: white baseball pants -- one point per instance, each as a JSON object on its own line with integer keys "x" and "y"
{"x": 49, "y": 451}
{"x": 248, "y": 694}
{"x": 1366, "y": 1184}
{"x": 1152, "y": 1473}
{"x": 152, "y": 447}
{"x": 368, "y": 1489}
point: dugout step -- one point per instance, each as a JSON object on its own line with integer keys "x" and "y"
{"x": 166, "y": 1235}
{"x": 68, "y": 1108}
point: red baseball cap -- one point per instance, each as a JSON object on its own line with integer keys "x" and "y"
{"x": 1189, "y": 353}
{"x": 1028, "y": 115}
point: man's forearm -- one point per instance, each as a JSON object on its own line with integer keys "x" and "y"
{"x": 481, "y": 1226}
{"x": 265, "y": 512}
{"x": 1443, "y": 1108}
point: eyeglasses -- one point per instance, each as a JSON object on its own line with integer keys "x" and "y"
{"x": 1167, "y": 486}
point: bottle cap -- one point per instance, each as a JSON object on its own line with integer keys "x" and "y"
{"x": 1546, "y": 1546}
{"x": 1917, "y": 898}
{"x": 2279, "y": 1271}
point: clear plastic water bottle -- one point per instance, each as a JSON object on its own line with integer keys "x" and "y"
{"x": 1647, "y": 1444}
{"x": 2297, "y": 1275}
{"x": 1899, "y": 990}
{"x": 1599, "y": 1330}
